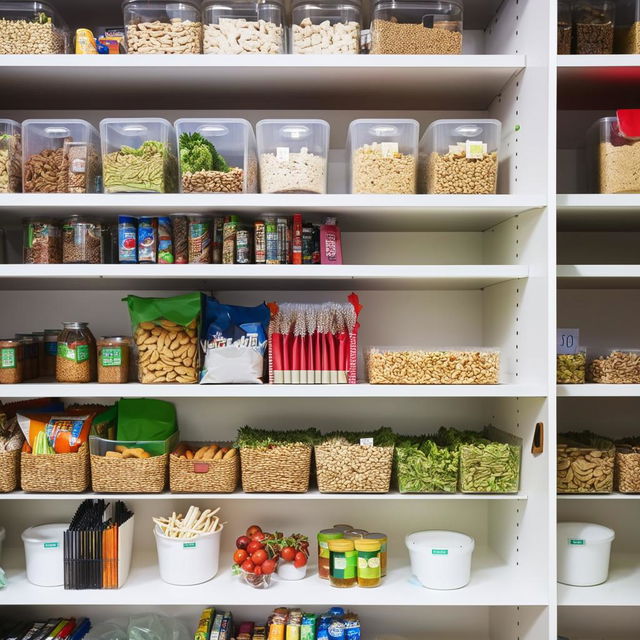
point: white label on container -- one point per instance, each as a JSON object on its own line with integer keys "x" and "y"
{"x": 388, "y": 149}
{"x": 366, "y": 442}
{"x": 282, "y": 154}
{"x": 475, "y": 149}
{"x": 568, "y": 341}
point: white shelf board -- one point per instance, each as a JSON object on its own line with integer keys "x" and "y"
{"x": 492, "y": 583}
{"x": 284, "y": 81}
{"x": 598, "y": 211}
{"x": 599, "y": 496}
{"x": 136, "y": 390}
{"x": 620, "y": 590}
{"x": 366, "y": 212}
{"x": 598, "y": 276}
{"x": 264, "y": 277}
{"x": 598, "y": 390}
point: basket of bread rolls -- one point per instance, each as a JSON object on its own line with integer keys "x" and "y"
{"x": 204, "y": 468}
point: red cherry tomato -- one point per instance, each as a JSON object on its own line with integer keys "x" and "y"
{"x": 257, "y": 571}
{"x": 268, "y": 566}
{"x": 253, "y": 529}
{"x": 288, "y": 554}
{"x": 253, "y": 546}
{"x": 300, "y": 560}
{"x": 242, "y": 542}
{"x": 259, "y": 537}
{"x": 259, "y": 556}
{"x": 248, "y": 565}
{"x": 240, "y": 556}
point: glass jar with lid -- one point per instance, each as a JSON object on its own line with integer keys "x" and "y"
{"x": 564, "y": 27}
{"x": 369, "y": 574}
{"x": 324, "y": 537}
{"x": 113, "y": 359}
{"x": 11, "y": 361}
{"x": 627, "y": 30}
{"x": 10, "y": 155}
{"x": 42, "y": 242}
{"x": 417, "y": 27}
{"x": 383, "y": 540}
{"x": 38, "y": 339}
{"x": 243, "y": 26}
{"x": 327, "y": 26}
{"x": 81, "y": 241}
{"x": 343, "y": 560}
{"x": 29, "y": 357}
{"x": 50, "y": 352}
{"x": 74, "y": 360}
{"x": 593, "y": 26}
{"x": 32, "y": 28}
{"x": 158, "y": 26}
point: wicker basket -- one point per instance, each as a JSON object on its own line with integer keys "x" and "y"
{"x": 55, "y": 473}
{"x": 129, "y": 475}
{"x": 203, "y": 476}
{"x": 9, "y": 470}
{"x": 627, "y": 473}
{"x": 280, "y": 469}
{"x": 353, "y": 468}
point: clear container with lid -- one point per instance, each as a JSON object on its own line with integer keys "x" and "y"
{"x": 60, "y": 156}
{"x": 29, "y": 28}
{"x": 50, "y": 352}
{"x": 138, "y": 155}
{"x": 329, "y": 26}
{"x": 293, "y": 155}
{"x": 242, "y": 26}
{"x": 593, "y": 22}
{"x": 75, "y": 361}
{"x": 383, "y": 156}
{"x": 460, "y": 156}
{"x": 81, "y": 241}
{"x": 38, "y": 338}
{"x": 10, "y": 156}
{"x": 627, "y": 29}
{"x": 11, "y": 353}
{"x": 113, "y": 359}
{"x": 614, "y": 153}
{"x": 42, "y": 242}
{"x": 564, "y": 27}
{"x": 618, "y": 365}
{"x": 29, "y": 355}
{"x": 217, "y": 155}
{"x": 417, "y": 27}
{"x": 158, "y": 26}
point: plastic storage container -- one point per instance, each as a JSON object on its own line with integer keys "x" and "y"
{"x": 564, "y": 27}
{"x": 44, "y": 553}
{"x": 76, "y": 353}
{"x": 42, "y": 242}
{"x": 571, "y": 368}
{"x": 614, "y": 153}
{"x": 32, "y": 28}
{"x": 241, "y": 26}
{"x": 217, "y": 155}
{"x": 82, "y": 241}
{"x": 10, "y": 156}
{"x": 460, "y": 156}
{"x": 417, "y": 27}
{"x": 583, "y": 553}
{"x": 113, "y": 359}
{"x": 593, "y": 22}
{"x": 383, "y": 156}
{"x": 157, "y": 26}
{"x": 138, "y": 155}
{"x": 332, "y": 26}
{"x": 60, "y": 156}
{"x": 627, "y": 472}
{"x": 585, "y": 463}
{"x": 616, "y": 366}
{"x": 293, "y": 155}
{"x": 627, "y": 29}
{"x": 441, "y": 559}
{"x": 10, "y": 361}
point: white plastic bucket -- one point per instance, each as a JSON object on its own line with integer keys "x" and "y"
{"x": 441, "y": 559}
{"x": 44, "y": 552}
{"x": 583, "y": 553}
{"x": 188, "y": 561}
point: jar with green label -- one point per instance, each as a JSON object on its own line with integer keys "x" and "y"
{"x": 74, "y": 355}
{"x": 343, "y": 559}
{"x": 324, "y": 537}
{"x": 382, "y": 539}
{"x": 50, "y": 352}
{"x": 10, "y": 361}
{"x": 369, "y": 573}
{"x": 113, "y": 360}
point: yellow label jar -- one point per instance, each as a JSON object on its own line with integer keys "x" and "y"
{"x": 369, "y": 572}
{"x": 382, "y": 539}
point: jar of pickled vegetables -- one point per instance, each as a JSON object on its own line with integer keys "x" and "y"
{"x": 382, "y": 538}
{"x": 369, "y": 573}
{"x": 343, "y": 559}
{"x": 324, "y": 537}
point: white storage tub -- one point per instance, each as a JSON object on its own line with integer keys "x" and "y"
{"x": 441, "y": 559}
{"x": 188, "y": 561}
{"x": 583, "y": 553}
{"x": 44, "y": 552}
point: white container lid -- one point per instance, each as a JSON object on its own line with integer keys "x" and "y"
{"x": 451, "y": 541}
{"x": 587, "y": 531}
{"x": 45, "y": 533}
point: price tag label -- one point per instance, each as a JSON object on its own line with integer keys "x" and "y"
{"x": 366, "y": 442}
{"x": 568, "y": 341}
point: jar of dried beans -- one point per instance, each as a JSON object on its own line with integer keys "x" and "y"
{"x": 113, "y": 359}
{"x": 29, "y": 355}
{"x": 50, "y": 352}
{"x": 10, "y": 361}
{"x": 593, "y": 22}
{"x": 42, "y": 242}
{"x": 81, "y": 241}
{"x": 74, "y": 358}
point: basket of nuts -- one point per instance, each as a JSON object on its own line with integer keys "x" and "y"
{"x": 585, "y": 463}
{"x": 627, "y": 468}
{"x": 406, "y": 365}
{"x": 618, "y": 366}
{"x": 204, "y": 468}
{"x": 166, "y": 335}
{"x": 355, "y": 462}
{"x": 275, "y": 461}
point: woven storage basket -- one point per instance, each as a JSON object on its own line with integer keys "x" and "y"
{"x": 129, "y": 475}
{"x": 203, "y": 476}
{"x": 280, "y": 469}
{"x": 627, "y": 472}
{"x": 353, "y": 468}
{"x": 9, "y": 470}
{"x": 55, "y": 473}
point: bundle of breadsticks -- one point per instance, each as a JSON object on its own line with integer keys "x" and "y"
{"x": 195, "y": 523}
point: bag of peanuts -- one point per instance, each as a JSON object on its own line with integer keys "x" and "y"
{"x": 166, "y": 332}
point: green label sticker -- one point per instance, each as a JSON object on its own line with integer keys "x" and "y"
{"x": 51, "y": 545}
{"x": 188, "y": 545}
{"x": 8, "y": 358}
{"x": 111, "y": 357}
{"x": 344, "y": 564}
{"x": 576, "y": 542}
{"x": 82, "y": 352}
{"x": 439, "y": 552}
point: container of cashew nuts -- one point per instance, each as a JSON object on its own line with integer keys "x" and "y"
{"x": 10, "y": 156}
{"x": 627, "y": 469}
{"x": 355, "y": 462}
{"x": 460, "y": 156}
{"x": 411, "y": 365}
{"x": 156, "y": 26}
{"x": 165, "y": 332}
{"x": 30, "y": 28}
{"x": 616, "y": 366}
{"x": 585, "y": 463}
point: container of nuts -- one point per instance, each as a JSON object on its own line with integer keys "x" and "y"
{"x": 409, "y": 365}
{"x": 383, "y": 156}
{"x": 30, "y": 28}
{"x": 616, "y": 366}
{"x": 460, "y": 156}
{"x": 627, "y": 30}
{"x": 593, "y": 26}
{"x": 82, "y": 241}
{"x": 42, "y": 242}
{"x": 75, "y": 353}
{"x": 417, "y": 27}
{"x": 156, "y": 26}
{"x": 113, "y": 359}
{"x": 10, "y": 361}
{"x": 585, "y": 463}
{"x": 627, "y": 470}
{"x": 348, "y": 462}
{"x": 571, "y": 368}
{"x": 10, "y": 156}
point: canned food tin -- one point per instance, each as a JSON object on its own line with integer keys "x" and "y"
{"x": 259, "y": 241}
{"x": 283, "y": 243}
{"x": 243, "y": 247}
{"x": 127, "y": 240}
{"x": 199, "y": 240}
{"x": 218, "y": 236}
{"x": 148, "y": 240}
{"x": 229, "y": 240}
{"x": 165, "y": 241}
{"x": 271, "y": 241}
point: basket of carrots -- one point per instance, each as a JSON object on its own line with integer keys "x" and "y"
{"x": 204, "y": 468}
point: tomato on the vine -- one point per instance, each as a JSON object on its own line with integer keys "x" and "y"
{"x": 300, "y": 559}
{"x": 248, "y": 565}
{"x": 268, "y": 566}
{"x": 240, "y": 556}
{"x": 259, "y": 537}
{"x": 257, "y": 571}
{"x": 253, "y": 546}
{"x": 259, "y": 556}
{"x": 242, "y": 542}
{"x": 253, "y": 529}
{"x": 288, "y": 554}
